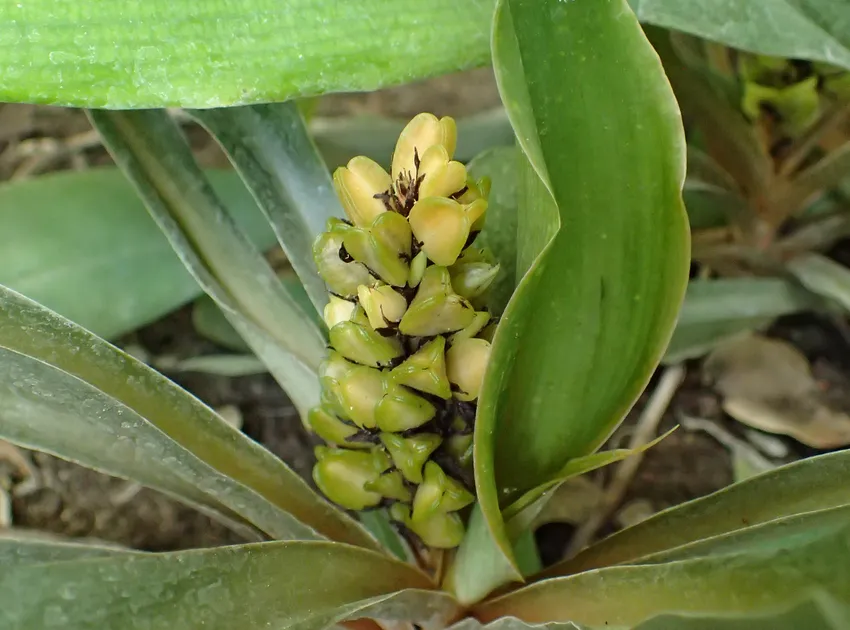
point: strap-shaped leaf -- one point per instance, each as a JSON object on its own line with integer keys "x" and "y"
{"x": 303, "y": 585}
{"x": 82, "y": 244}
{"x": 23, "y": 547}
{"x": 70, "y": 393}
{"x": 269, "y": 146}
{"x": 763, "y": 570}
{"x": 189, "y": 54}
{"x": 816, "y": 483}
{"x": 152, "y": 152}
{"x": 603, "y": 236}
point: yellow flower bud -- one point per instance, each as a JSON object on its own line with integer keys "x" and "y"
{"x": 420, "y": 134}
{"x": 442, "y": 226}
{"x": 342, "y": 277}
{"x": 357, "y": 184}
{"x": 436, "y": 309}
{"x": 466, "y": 363}
{"x": 410, "y": 454}
{"x": 363, "y": 345}
{"x": 401, "y": 410}
{"x": 361, "y": 390}
{"x": 441, "y": 176}
{"x": 425, "y": 370}
{"x": 383, "y": 305}
{"x": 384, "y": 247}
{"x": 338, "y": 310}
{"x": 342, "y": 476}
{"x": 475, "y": 190}
{"x": 438, "y": 493}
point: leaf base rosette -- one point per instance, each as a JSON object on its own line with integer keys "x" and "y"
{"x": 409, "y": 335}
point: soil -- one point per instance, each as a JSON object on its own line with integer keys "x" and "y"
{"x": 76, "y": 502}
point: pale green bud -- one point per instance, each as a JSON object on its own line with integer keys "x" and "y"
{"x": 409, "y": 454}
{"x": 466, "y": 363}
{"x": 436, "y": 309}
{"x": 478, "y": 323}
{"x": 356, "y": 186}
{"x": 417, "y": 269}
{"x": 333, "y": 369}
{"x": 425, "y": 370}
{"x": 338, "y": 310}
{"x": 333, "y": 430}
{"x": 440, "y": 531}
{"x": 470, "y": 280}
{"x": 391, "y": 485}
{"x": 419, "y": 135}
{"x": 460, "y": 447}
{"x": 342, "y": 476}
{"x": 384, "y": 260}
{"x": 361, "y": 392}
{"x": 393, "y": 230}
{"x": 342, "y": 278}
{"x": 438, "y": 493}
{"x": 363, "y": 345}
{"x": 383, "y": 305}
{"x": 401, "y": 410}
{"x": 442, "y": 176}
{"x": 475, "y": 190}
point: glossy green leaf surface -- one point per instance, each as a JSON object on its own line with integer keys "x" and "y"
{"x": 150, "y": 149}
{"x": 805, "y": 29}
{"x": 815, "y": 483}
{"x": 590, "y": 319}
{"x": 270, "y": 148}
{"x": 69, "y": 393}
{"x": 186, "y": 54}
{"x": 767, "y": 570}
{"x": 715, "y": 310}
{"x": 82, "y": 244}
{"x": 301, "y": 585}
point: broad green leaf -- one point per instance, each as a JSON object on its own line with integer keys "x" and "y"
{"x": 589, "y": 321}
{"x": 805, "y": 29}
{"x": 715, "y": 310}
{"x": 815, "y": 483}
{"x": 500, "y": 233}
{"x": 82, "y": 244}
{"x": 823, "y": 276}
{"x": 379, "y": 524}
{"x": 69, "y": 393}
{"x": 767, "y": 570}
{"x": 150, "y": 149}
{"x": 308, "y": 586}
{"x": 270, "y": 148}
{"x": 17, "y": 548}
{"x": 185, "y": 54}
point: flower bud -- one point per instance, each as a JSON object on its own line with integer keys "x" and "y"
{"x": 473, "y": 279}
{"x": 390, "y": 485}
{"x": 441, "y": 176}
{"x": 409, "y": 454}
{"x": 417, "y": 269}
{"x": 425, "y": 370}
{"x": 356, "y": 186}
{"x": 392, "y": 230}
{"x": 333, "y": 430}
{"x": 332, "y": 370}
{"x": 401, "y": 410}
{"x": 342, "y": 278}
{"x": 388, "y": 263}
{"x": 460, "y": 447}
{"x": 361, "y": 392}
{"x": 478, "y": 323}
{"x": 438, "y": 493}
{"x": 363, "y": 345}
{"x": 383, "y": 305}
{"x": 436, "y": 308}
{"x": 475, "y": 190}
{"x": 338, "y": 310}
{"x": 441, "y": 225}
{"x": 466, "y": 362}
{"x": 440, "y": 531}
{"x": 342, "y": 476}
{"x": 420, "y": 134}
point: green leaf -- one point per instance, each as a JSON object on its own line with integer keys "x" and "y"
{"x": 589, "y": 321}
{"x": 308, "y": 586}
{"x": 17, "y": 548}
{"x": 181, "y": 54}
{"x": 150, "y": 149}
{"x": 270, "y": 148}
{"x": 715, "y": 310}
{"x": 804, "y": 29}
{"x": 816, "y": 483}
{"x": 822, "y": 276}
{"x": 67, "y": 392}
{"x": 220, "y": 364}
{"x": 763, "y": 570}
{"x": 77, "y": 241}
{"x": 500, "y": 234}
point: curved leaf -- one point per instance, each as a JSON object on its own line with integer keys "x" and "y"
{"x": 67, "y": 392}
{"x": 21, "y": 547}
{"x": 815, "y": 483}
{"x": 589, "y": 321}
{"x": 82, "y": 244}
{"x": 301, "y": 585}
{"x": 767, "y": 570}
{"x": 181, "y": 54}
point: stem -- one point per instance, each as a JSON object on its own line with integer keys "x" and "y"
{"x": 824, "y": 175}
{"x": 831, "y": 120}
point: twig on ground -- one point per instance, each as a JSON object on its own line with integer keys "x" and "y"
{"x": 645, "y": 430}
{"x": 39, "y": 154}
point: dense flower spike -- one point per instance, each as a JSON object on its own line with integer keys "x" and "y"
{"x": 409, "y": 335}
